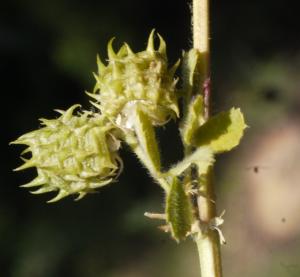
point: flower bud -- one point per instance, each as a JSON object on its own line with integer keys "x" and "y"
{"x": 73, "y": 154}
{"x": 141, "y": 78}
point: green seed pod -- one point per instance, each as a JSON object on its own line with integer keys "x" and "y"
{"x": 73, "y": 154}
{"x": 141, "y": 79}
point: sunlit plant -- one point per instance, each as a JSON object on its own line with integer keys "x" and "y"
{"x": 135, "y": 93}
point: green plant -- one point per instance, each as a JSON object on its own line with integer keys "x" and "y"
{"x": 134, "y": 94}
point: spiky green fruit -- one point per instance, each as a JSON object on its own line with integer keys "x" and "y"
{"x": 73, "y": 154}
{"x": 142, "y": 79}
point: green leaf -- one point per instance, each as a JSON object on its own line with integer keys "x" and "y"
{"x": 146, "y": 138}
{"x": 189, "y": 66}
{"x": 221, "y": 132}
{"x": 178, "y": 211}
{"x": 193, "y": 120}
{"x": 141, "y": 138}
{"x": 202, "y": 158}
{"x": 190, "y": 60}
{"x": 194, "y": 67}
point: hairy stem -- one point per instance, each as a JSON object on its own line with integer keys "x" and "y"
{"x": 200, "y": 25}
{"x": 207, "y": 240}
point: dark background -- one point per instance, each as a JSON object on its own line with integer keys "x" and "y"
{"x": 47, "y": 56}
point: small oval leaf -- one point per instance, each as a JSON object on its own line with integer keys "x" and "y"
{"x": 193, "y": 119}
{"x": 221, "y": 132}
{"x": 179, "y": 211}
{"x": 146, "y": 137}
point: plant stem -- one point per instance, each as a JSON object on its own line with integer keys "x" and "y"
{"x": 207, "y": 240}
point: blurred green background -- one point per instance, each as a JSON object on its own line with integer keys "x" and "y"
{"x": 48, "y": 53}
